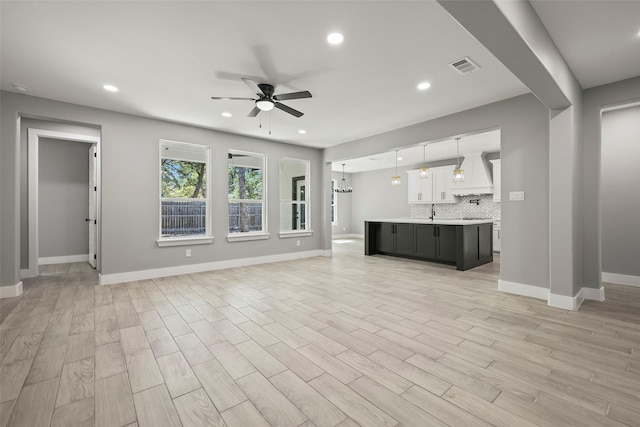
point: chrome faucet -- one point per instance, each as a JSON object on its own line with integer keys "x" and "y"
{"x": 433, "y": 212}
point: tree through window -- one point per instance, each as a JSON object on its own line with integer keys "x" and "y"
{"x": 246, "y": 192}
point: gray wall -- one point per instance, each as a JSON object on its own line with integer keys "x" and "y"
{"x": 25, "y": 125}
{"x": 620, "y": 189}
{"x": 524, "y": 125}
{"x": 130, "y": 163}
{"x": 344, "y": 206}
{"x": 594, "y": 100}
{"x": 63, "y": 198}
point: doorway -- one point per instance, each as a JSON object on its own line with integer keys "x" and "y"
{"x": 43, "y": 136}
{"x": 298, "y": 214}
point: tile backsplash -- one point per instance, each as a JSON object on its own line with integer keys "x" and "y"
{"x": 486, "y": 209}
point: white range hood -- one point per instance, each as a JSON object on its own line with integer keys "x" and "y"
{"x": 477, "y": 179}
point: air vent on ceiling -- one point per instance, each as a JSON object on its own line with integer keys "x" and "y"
{"x": 464, "y": 65}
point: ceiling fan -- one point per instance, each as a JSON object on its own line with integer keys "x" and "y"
{"x": 266, "y": 100}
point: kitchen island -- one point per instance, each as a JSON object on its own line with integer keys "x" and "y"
{"x": 465, "y": 243}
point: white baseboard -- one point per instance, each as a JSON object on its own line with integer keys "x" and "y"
{"x": 553, "y": 300}
{"x": 11, "y": 291}
{"x": 595, "y": 294}
{"x": 63, "y": 259}
{"x": 347, "y": 236}
{"x": 524, "y": 290}
{"x": 621, "y": 279}
{"x": 109, "y": 279}
{"x": 564, "y": 302}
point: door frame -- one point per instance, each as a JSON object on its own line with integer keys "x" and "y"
{"x": 296, "y": 207}
{"x": 33, "y": 139}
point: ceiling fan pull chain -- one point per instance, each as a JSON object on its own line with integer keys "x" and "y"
{"x": 269, "y": 123}
{"x": 260, "y": 121}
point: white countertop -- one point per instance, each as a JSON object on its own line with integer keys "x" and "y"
{"x": 439, "y": 221}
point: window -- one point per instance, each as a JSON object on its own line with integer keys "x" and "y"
{"x": 294, "y": 197}
{"x": 334, "y": 202}
{"x": 184, "y": 202}
{"x": 247, "y": 211}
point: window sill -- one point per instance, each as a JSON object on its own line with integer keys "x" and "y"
{"x": 183, "y": 241}
{"x": 289, "y": 234}
{"x": 241, "y": 237}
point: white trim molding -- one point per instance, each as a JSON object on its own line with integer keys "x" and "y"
{"x": 11, "y": 291}
{"x": 242, "y": 237}
{"x": 594, "y": 294}
{"x": 185, "y": 241}
{"x": 109, "y": 279}
{"x": 63, "y": 259}
{"x": 553, "y": 300}
{"x": 524, "y": 290}
{"x": 621, "y": 279}
{"x": 290, "y": 234}
{"x": 347, "y": 236}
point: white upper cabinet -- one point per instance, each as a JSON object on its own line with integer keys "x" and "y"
{"x": 437, "y": 188}
{"x": 496, "y": 179}
{"x": 420, "y": 190}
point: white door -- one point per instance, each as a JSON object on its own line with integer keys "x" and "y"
{"x": 93, "y": 205}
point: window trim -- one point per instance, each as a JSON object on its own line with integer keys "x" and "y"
{"x": 307, "y": 231}
{"x": 250, "y": 235}
{"x": 206, "y": 238}
{"x": 334, "y": 201}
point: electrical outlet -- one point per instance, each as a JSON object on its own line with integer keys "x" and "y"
{"x": 188, "y": 253}
{"x": 297, "y": 242}
{"x": 516, "y": 196}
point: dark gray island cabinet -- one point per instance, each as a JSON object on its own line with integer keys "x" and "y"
{"x": 463, "y": 243}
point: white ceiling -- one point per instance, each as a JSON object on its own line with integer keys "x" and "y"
{"x": 485, "y": 142}
{"x": 599, "y": 39}
{"x": 169, "y": 58}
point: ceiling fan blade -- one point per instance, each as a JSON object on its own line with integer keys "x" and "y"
{"x": 288, "y": 109}
{"x": 254, "y": 112}
{"x": 253, "y": 86}
{"x": 228, "y": 98}
{"x": 292, "y": 95}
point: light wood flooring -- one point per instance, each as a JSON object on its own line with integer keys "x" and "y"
{"x": 342, "y": 341}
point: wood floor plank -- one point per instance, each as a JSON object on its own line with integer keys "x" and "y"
{"x": 243, "y": 415}
{"x": 293, "y": 360}
{"x": 5, "y": 412}
{"x": 114, "y": 402}
{"x": 23, "y": 347}
{"x": 161, "y": 342}
{"x": 351, "y": 403}
{"x": 150, "y": 320}
{"x": 77, "y": 414}
{"x": 193, "y": 349}
{"x": 80, "y": 346}
{"x": 232, "y": 360}
{"x": 13, "y": 377}
{"x": 272, "y": 404}
{"x": 285, "y": 335}
{"x": 107, "y": 332}
{"x": 109, "y": 360}
{"x": 195, "y": 409}
{"x": 176, "y": 325}
{"x": 371, "y": 369}
{"x": 155, "y": 408}
{"x": 311, "y": 403}
{"x": 222, "y": 390}
{"x": 207, "y": 333}
{"x": 34, "y": 407}
{"x": 260, "y": 358}
{"x": 330, "y": 364}
{"x": 143, "y": 370}
{"x": 133, "y": 339}
{"x": 76, "y": 382}
{"x": 177, "y": 374}
{"x": 258, "y": 333}
{"x": 230, "y": 331}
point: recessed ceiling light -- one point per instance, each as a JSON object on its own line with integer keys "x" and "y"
{"x": 302, "y": 131}
{"x": 110, "y": 88}
{"x": 335, "y": 38}
{"x": 424, "y": 86}
{"x": 226, "y": 114}
{"x": 399, "y": 158}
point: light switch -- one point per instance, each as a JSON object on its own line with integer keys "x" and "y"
{"x": 516, "y": 196}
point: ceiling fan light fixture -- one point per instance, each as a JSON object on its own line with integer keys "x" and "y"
{"x": 265, "y": 104}
{"x": 226, "y": 114}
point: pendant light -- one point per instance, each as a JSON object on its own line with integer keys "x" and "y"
{"x": 458, "y": 174}
{"x": 344, "y": 186}
{"x": 424, "y": 170}
{"x": 395, "y": 180}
